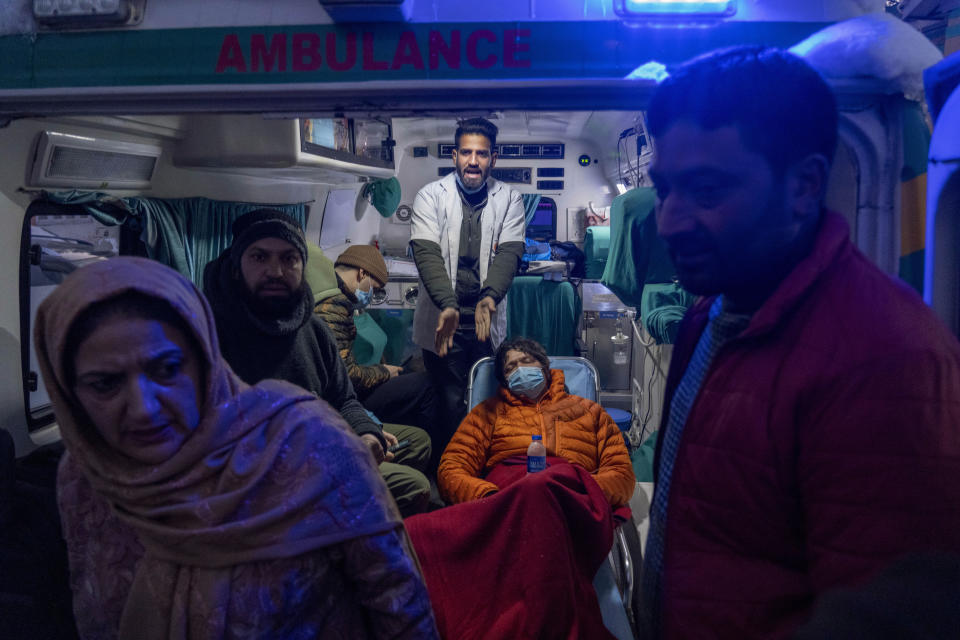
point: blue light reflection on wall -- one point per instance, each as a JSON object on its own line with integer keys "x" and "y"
{"x": 678, "y": 8}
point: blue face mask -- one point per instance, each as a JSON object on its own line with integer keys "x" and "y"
{"x": 527, "y": 381}
{"x": 363, "y": 297}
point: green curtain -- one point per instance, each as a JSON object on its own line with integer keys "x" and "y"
{"x": 636, "y": 256}
{"x": 398, "y": 325}
{"x": 642, "y": 458}
{"x": 545, "y": 311}
{"x": 530, "y": 202}
{"x": 596, "y": 249}
{"x": 662, "y": 308}
{"x": 183, "y": 233}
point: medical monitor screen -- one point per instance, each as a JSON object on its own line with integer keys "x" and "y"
{"x": 543, "y": 225}
{"x": 366, "y": 142}
{"x": 330, "y": 133}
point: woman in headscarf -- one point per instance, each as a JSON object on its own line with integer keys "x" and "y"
{"x": 196, "y": 506}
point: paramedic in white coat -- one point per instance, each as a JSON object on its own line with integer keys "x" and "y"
{"x": 467, "y": 240}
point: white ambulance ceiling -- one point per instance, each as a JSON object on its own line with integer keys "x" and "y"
{"x": 597, "y": 127}
{"x": 520, "y": 125}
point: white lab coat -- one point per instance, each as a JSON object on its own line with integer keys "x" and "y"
{"x": 437, "y": 216}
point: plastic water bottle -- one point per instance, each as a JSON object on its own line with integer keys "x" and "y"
{"x": 536, "y": 455}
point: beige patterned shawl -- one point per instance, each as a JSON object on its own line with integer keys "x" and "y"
{"x": 270, "y": 472}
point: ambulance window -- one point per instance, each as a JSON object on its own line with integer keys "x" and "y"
{"x": 54, "y": 244}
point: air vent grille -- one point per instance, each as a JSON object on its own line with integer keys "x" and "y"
{"x": 65, "y": 160}
{"x": 106, "y": 166}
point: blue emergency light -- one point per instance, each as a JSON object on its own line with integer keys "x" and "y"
{"x": 675, "y": 8}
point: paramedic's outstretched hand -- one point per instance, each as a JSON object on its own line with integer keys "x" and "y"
{"x": 446, "y": 327}
{"x": 485, "y": 307}
{"x": 375, "y": 447}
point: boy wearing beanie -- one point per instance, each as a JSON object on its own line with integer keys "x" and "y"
{"x": 393, "y": 396}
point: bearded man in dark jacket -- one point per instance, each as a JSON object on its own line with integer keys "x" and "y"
{"x": 264, "y": 313}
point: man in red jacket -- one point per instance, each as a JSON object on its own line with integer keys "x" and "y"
{"x": 812, "y": 425}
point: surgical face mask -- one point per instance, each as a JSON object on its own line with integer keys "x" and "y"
{"x": 467, "y": 189}
{"x": 527, "y": 381}
{"x": 363, "y": 297}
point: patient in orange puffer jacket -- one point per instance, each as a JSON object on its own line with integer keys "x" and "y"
{"x": 532, "y": 400}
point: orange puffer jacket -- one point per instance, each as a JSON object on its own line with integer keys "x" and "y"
{"x": 572, "y": 427}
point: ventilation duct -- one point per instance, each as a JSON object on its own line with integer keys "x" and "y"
{"x": 65, "y": 160}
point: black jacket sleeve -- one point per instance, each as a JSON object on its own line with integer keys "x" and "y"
{"x": 433, "y": 273}
{"x": 339, "y": 392}
{"x": 502, "y": 269}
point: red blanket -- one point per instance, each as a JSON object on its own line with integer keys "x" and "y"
{"x": 519, "y": 564}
